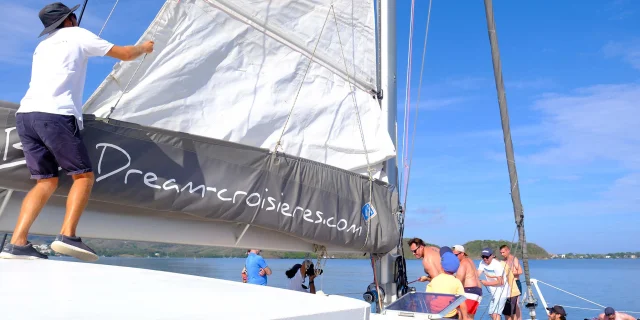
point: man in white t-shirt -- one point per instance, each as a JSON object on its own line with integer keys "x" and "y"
{"x": 496, "y": 282}
{"x": 49, "y": 123}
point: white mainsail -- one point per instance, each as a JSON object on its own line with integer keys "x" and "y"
{"x": 231, "y": 70}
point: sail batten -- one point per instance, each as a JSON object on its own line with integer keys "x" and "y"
{"x": 230, "y": 70}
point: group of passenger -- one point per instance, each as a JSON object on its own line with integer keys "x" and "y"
{"x": 256, "y": 270}
{"x": 451, "y": 271}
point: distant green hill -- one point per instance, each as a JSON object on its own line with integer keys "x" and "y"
{"x": 120, "y": 248}
{"x": 114, "y": 248}
{"x": 473, "y": 249}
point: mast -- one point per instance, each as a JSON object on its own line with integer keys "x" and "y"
{"x": 508, "y": 145}
{"x": 388, "y": 99}
{"x": 388, "y": 78}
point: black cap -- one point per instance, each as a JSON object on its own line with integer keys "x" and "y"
{"x": 558, "y": 309}
{"x": 609, "y": 311}
{"x": 52, "y": 15}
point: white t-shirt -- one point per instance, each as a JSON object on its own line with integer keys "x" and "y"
{"x": 59, "y": 71}
{"x": 296, "y": 282}
{"x": 495, "y": 269}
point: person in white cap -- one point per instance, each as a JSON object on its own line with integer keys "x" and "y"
{"x": 469, "y": 277}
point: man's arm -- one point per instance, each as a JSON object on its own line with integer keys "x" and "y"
{"x": 499, "y": 278}
{"x": 128, "y": 53}
{"x": 517, "y": 268}
{"x": 312, "y": 285}
{"x": 263, "y": 265}
{"x": 487, "y": 283}
{"x": 461, "y": 272}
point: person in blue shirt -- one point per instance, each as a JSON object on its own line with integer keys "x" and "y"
{"x": 257, "y": 269}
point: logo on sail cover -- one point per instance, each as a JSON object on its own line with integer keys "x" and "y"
{"x": 368, "y": 211}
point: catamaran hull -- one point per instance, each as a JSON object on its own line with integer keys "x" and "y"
{"x": 167, "y": 173}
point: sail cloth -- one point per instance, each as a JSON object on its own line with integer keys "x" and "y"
{"x": 151, "y": 168}
{"x": 231, "y": 70}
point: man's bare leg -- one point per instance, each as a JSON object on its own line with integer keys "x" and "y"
{"x": 66, "y": 242}
{"x": 76, "y": 202}
{"x": 31, "y": 207}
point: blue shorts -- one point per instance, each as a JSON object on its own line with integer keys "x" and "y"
{"x": 50, "y": 141}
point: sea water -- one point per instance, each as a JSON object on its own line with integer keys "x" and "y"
{"x": 608, "y": 282}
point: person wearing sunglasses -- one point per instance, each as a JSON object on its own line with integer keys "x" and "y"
{"x": 469, "y": 277}
{"x": 557, "y": 313}
{"x": 447, "y": 283}
{"x": 49, "y": 123}
{"x": 430, "y": 258}
{"x": 495, "y": 281}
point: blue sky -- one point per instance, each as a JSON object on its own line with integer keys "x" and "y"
{"x": 571, "y": 72}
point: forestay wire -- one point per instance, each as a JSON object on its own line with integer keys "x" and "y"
{"x": 153, "y": 36}
{"x": 109, "y": 17}
{"x": 415, "y": 121}
{"x": 579, "y": 297}
{"x": 407, "y": 100}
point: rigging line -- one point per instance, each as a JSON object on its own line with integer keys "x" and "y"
{"x": 575, "y": 295}
{"x": 279, "y": 143}
{"x": 109, "y": 17}
{"x": 581, "y": 308}
{"x": 407, "y": 100}
{"x": 357, "y": 110}
{"x": 135, "y": 71}
{"x": 355, "y": 104}
{"x": 415, "y": 121}
{"x": 375, "y": 279}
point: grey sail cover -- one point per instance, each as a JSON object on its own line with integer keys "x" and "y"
{"x": 152, "y": 168}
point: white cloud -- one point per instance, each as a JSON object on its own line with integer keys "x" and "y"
{"x": 537, "y": 83}
{"x": 629, "y": 51}
{"x": 425, "y": 217}
{"x": 597, "y": 123}
{"x": 587, "y": 142}
{"x": 438, "y": 103}
{"x": 21, "y": 26}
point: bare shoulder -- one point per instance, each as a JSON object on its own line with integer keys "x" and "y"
{"x": 628, "y": 317}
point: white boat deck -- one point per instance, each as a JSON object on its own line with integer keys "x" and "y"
{"x": 48, "y": 289}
